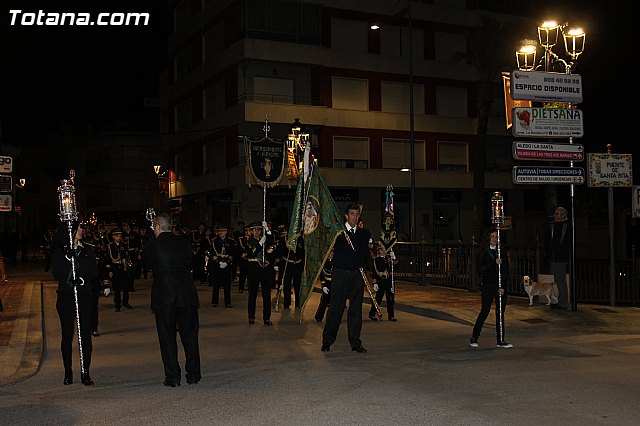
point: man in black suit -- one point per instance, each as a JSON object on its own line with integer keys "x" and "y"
{"x": 174, "y": 299}
{"x": 351, "y": 252}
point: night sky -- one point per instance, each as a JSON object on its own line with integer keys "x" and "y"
{"x": 56, "y": 78}
{"x": 67, "y": 79}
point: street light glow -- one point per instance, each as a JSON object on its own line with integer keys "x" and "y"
{"x": 375, "y": 27}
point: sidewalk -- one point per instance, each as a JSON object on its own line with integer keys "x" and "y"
{"x": 22, "y": 343}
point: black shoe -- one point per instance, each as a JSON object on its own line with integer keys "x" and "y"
{"x": 325, "y": 348}
{"x": 228, "y": 306}
{"x": 127, "y": 305}
{"x": 170, "y": 384}
{"x": 192, "y": 380}
{"x": 267, "y": 322}
{"x": 393, "y": 319}
{"x": 373, "y": 317}
{"x": 359, "y": 348}
{"x": 68, "y": 377}
{"x": 318, "y": 319}
{"x": 213, "y": 305}
{"x": 118, "y": 309}
{"x": 86, "y": 379}
{"x": 252, "y": 320}
{"x": 95, "y": 334}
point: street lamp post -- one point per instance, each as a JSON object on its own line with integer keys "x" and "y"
{"x": 412, "y": 148}
{"x": 574, "y": 41}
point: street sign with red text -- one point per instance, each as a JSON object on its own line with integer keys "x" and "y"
{"x": 547, "y": 151}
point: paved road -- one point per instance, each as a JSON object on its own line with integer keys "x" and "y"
{"x": 565, "y": 368}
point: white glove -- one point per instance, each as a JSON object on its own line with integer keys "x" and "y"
{"x": 392, "y": 255}
{"x": 376, "y": 287}
{"x": 266, "y": 228}
{"x": 275, "y": 268}
{"x": 325, "y": 290}
{"x": 223, "y": 265}
{"x": 107, "y": 291}
{"x": 263, "y": 239}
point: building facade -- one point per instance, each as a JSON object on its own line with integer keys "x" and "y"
{"x": 236, "y": 63}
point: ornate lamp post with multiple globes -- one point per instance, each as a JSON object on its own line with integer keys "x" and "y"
{"x": 574, "y": 42}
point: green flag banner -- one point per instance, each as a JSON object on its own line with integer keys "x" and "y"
{"x": 316, "y": 217}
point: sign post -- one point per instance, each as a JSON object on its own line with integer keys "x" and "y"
{"x": 610, "y": 170}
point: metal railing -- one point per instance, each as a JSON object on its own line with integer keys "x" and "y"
{"x": 436, "y": 264}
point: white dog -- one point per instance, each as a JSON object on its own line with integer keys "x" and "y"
{"x": 550, "y": 290}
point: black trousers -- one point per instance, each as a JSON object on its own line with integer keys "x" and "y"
{"x": 94, "y": 318}
{"x": 185, "y": 321}
{"x": 258, "y": 276}
{"x": 242, "y": 277}
{"x": 221, "y": 278}
{"x": 384, "y": 289}
{"x": 120, "y": 287}
{"x": 345, "y": 285}
{"x": 66, "y": 307}
{"x": 487, "y": 300}
{"x": 293, "y": 274}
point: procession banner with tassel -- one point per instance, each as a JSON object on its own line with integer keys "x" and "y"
{"x": 388, "y": 234}
{"x": 317, "y": 218}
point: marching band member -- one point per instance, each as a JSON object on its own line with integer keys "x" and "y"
{"x": 382, "y": 282}
{"x": 220, "y": 263}
{"x": 258, "y": 271}
{"x": 325, "y": 281}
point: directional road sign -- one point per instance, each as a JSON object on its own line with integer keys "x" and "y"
{"x": 550, "y": 175}
{"x": 547, "y": 151}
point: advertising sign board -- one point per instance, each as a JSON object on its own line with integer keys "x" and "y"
{"x": 547, "y": 122}
{"x": 546, "y": 86}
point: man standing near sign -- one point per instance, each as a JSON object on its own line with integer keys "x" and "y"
{"x": 560, "y": 255}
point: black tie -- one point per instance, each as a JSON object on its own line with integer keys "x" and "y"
{"x": 353, "y": 231}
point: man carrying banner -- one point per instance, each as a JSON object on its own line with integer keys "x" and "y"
{"x": 351, "y": 252}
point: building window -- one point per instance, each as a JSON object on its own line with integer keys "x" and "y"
{"x": 451, "y": 101}
{"x": 350, "y": 93}
{"x": 183, "y": 114}
{"x": 295, "y": 22}
{"x": 213, "y": 42}
{"x": 394, "y": 41}
{"x": 215, "y": 156}
{"x": 396, "y": 154}
{"x": 349, "y": 35}
{"x": 395, "y": 97}
{"x": 273, "y": 90}
{"x": 181, "y": 15}
{"x": 453, "y": 157}
{"x": 350, "y": 152}
{"x": 213, "y": 99}
{"x": 184, "y": 165}
{"x": 183, "y": 64}
{"x": 450, "y": 47}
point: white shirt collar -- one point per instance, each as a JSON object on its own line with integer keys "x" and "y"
{"x": 349, "y": 228}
